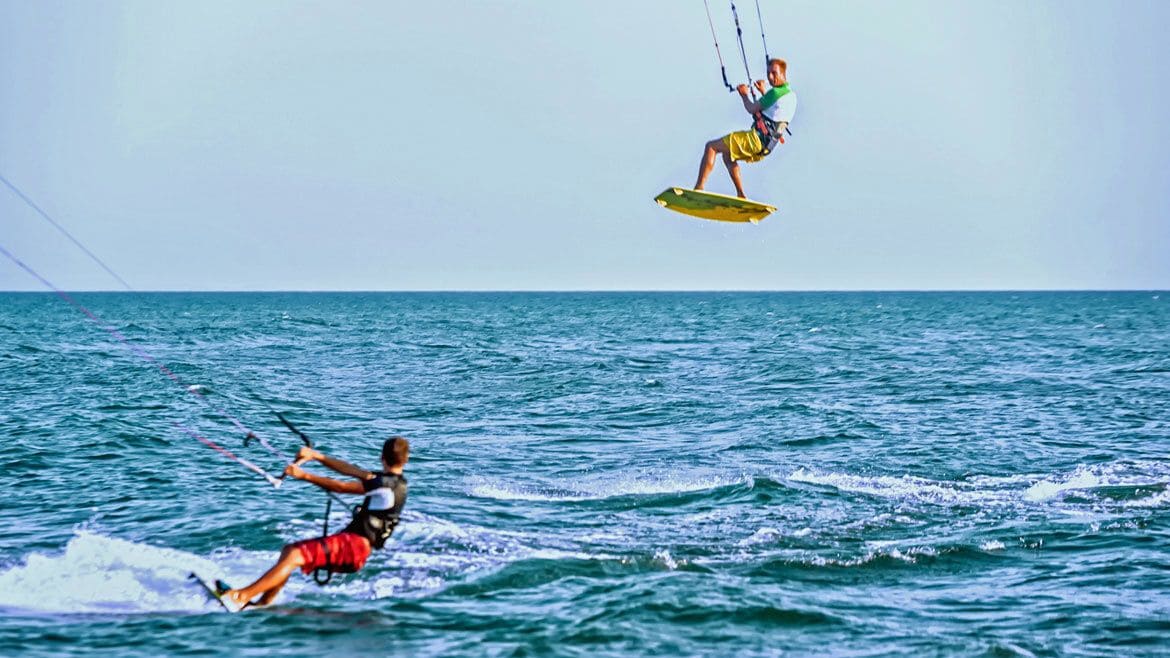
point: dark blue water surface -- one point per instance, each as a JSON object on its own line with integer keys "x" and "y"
{"x": 598, "y": 474}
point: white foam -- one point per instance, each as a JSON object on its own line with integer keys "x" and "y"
{"x": 600, "y": 490}
{"x": 993, "y": 491}
{"x": 531, "y": 493}
{"x": 428, "y": 553}
{"x": 1017, "y": 649}
{"x": 99, "y": 574}
{"x": 397, "y": 586}
{"x": 905, "y": 486}
{"x": 663, "y": 556}
{"x": 761, "y": 536}
{"x": 1157, "y": 500}
{"x": 1047, "y": 489}
{"x": 908, "y": 555}
{"x": 1119, "y": 474}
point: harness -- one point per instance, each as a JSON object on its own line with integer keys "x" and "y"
{"x": 377, "y": 516}
{"x": 769, "y": 130}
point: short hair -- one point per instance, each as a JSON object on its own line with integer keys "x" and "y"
{"x": 395, "y": 451}
{"x": 779, "y": 62}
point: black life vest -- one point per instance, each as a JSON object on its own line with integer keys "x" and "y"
{"x": 377, "y": 516}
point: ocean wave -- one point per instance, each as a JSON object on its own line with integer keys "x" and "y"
{"x": 99, "y": 574}
{"x": 879, "y": 554}
{"x": 616, "y": 488}
{"x": 764, "y": 536}
{"x": 907, "y": 487}
{"x": 1158, "y": 500}
{"x": 106, "y": 575}
{"x": 429, "y": 554}
{"x": 1140, "y": 483}
{"x": 309, "y": 321}
{"x": 875, "y": 555}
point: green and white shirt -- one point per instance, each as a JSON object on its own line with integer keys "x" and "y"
{"x": 779, "y": 104}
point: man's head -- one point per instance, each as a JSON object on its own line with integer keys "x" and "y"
{"x": 395, "y": 452}
{"x": 777, "y": 71}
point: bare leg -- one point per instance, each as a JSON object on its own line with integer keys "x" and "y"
{"x": 733, "y": 171}
{"x": 267, "y": 598}
{"x": 708, "y": 162}
{"x": 272, "y": 581}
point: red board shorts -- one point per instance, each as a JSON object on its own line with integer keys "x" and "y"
{"x": 347, "y": 552}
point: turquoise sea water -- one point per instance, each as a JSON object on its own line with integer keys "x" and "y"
{"x": 599, "y": 474}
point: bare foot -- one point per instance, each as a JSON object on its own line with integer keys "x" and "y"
{"x": 234, "y": 599}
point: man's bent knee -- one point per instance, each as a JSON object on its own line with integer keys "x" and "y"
{"x": 291, "y": 553}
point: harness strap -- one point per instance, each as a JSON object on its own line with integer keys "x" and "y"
{"x": 317, "y": 577}
{"x": 767, "y": 128}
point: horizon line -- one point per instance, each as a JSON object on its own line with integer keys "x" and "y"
{"x": 591, "y": 290}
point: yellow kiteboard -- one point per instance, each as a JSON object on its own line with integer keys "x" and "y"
{"x": 709, "y": 205}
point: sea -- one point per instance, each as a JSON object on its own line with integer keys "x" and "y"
{"x": 594, "y": 474}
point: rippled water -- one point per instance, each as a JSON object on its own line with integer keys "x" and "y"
{"x": 600, "y": 474}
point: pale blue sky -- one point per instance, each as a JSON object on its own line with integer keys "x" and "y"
{"x": 517, "y": 145}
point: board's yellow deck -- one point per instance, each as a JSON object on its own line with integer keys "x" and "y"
{"x": 709, "y": 205}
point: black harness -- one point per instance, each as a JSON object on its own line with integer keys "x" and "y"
{"x": 376, "y": 525}
{"x": 770, "y": 132}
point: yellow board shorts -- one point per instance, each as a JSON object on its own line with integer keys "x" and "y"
{"x": 744, "y": 145}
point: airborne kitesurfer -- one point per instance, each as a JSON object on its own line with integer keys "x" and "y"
{"x": 345, "y": 551}
{"x": 771, "y": 115}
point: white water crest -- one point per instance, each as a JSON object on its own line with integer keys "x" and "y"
{"x": 100, "y": 574}
{"x": 937, "y": 492}
{"x": 95, "y": 573}
{"x": 1154, "y": 475}
{"x": 1015, "y": 490}
{"x": 639, "y": 485}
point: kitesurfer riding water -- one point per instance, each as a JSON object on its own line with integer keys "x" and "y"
{"x": 345, "y": 551}
{"x": 771, "y": 115}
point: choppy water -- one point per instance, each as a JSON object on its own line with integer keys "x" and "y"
{"x": 600, "y": 474}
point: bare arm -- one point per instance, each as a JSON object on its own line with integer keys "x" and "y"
{"x": 751, "y": 106}
{"x": 343, "y": 467}
{"x": 328, "y": 484}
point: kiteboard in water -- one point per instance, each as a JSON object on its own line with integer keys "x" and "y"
{"x": 708, "y": 205}
{"x": 216, "y": 592}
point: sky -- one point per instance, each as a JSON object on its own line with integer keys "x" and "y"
{"x": 517, "y": 145}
